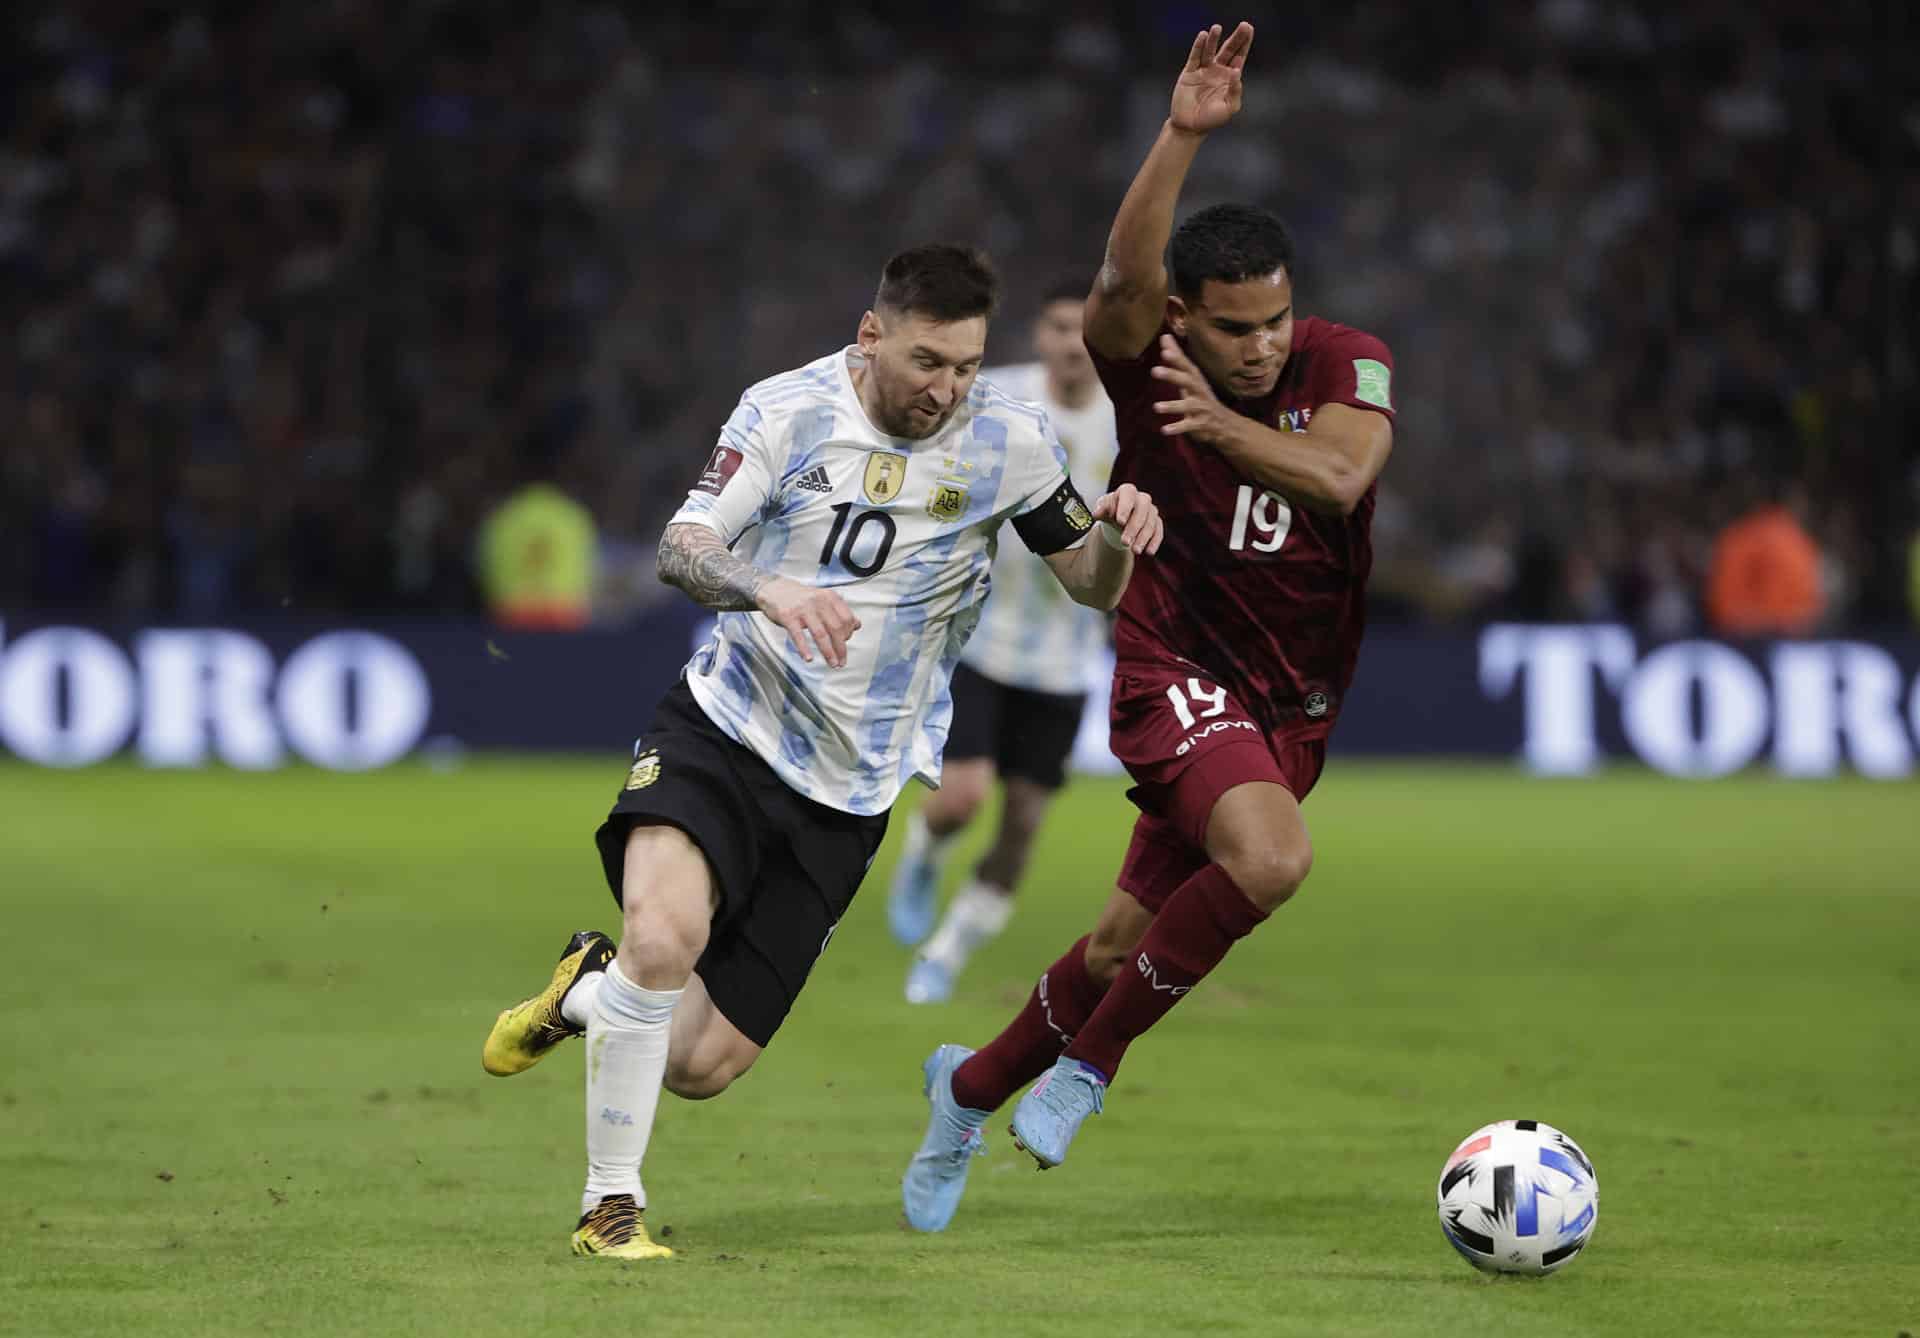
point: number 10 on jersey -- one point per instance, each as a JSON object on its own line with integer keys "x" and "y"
{"x": 877, "y": 557}
{"x": 1268, "y": 515}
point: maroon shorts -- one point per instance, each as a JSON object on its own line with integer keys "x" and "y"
{"x": 1186, "y": 742}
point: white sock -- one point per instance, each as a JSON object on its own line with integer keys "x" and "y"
{"x": 922, "y": 844}
{"x": 627, "y": 1034}
{"x": 978, "y": 912}
{"x": 576, "y": 1005}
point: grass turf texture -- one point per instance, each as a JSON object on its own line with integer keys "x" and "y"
{"x": 241, "y": 1089}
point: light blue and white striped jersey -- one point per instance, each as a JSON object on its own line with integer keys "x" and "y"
{"x": 1031, "y": 635}
{"x": 804, "y": 485}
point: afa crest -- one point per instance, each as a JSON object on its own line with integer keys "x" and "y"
{"x": 949, "y": 500}
{"x": 646, "y": 770}
{"x": 1077, "y": 514}
{"x": 886, "y": 475}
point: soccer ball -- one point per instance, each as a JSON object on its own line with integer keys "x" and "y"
{"x": 1518, "y": 1196}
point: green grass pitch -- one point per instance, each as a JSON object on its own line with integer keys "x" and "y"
{"x": 240, "y": 1020}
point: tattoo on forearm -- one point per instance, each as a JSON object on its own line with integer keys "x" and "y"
{"x": 693, "y": 558}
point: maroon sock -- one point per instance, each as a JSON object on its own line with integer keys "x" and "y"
{"x": 1204, "y": 917}
{"x": 1058, "y": 1007}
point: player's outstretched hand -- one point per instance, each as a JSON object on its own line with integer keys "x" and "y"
{"x": 1207, "y": 93}
{"x": 1195, "y": 411}
{"x": 1133, "y": 513}
{"x": 811, "y": 615}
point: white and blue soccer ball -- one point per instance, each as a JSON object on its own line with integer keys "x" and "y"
{"x": 1518, "y": 1196}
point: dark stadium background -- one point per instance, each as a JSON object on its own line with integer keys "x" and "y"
{"x": 297, "y": 296}
{"x": 295, "y": 293}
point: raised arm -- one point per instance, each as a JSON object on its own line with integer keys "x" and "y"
{"x": 1129, "y": 296}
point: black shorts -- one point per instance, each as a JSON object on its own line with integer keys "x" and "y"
{"x": 1025, "y": 734}
{"x": 787, "y": 867}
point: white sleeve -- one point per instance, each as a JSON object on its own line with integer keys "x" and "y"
{"x": 1050, "y": 514}
{"x": 1038, "y": 469}
{"x": 734, "y": 491}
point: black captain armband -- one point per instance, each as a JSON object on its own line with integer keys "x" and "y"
{"x": 1059, "y": 522}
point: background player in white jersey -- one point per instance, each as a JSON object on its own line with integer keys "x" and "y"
{"x": 1021, "y": 686}
{"x": 860, "y": 494}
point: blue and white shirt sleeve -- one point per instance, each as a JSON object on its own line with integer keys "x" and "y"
{"x": 1049, "y": 513}
{"x": 1039, "y": 472}
{"x": 736, "y": 489}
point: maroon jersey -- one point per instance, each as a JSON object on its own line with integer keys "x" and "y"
{"x": 1266, "y": 597}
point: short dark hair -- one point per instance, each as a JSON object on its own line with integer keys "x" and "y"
{"x": 1228, "y": 243}
{"x": 1065, "y": 288}
{"x": 942, "y": 282}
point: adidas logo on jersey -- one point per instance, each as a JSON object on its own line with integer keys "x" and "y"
{"x": 815, "y": 480}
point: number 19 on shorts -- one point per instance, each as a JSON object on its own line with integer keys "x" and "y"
{"x": 1267, "y": 515}
{"x": 1210, "y": 695}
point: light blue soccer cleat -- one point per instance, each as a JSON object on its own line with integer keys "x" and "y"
{"x": 929, "y": 981}
{"x": 913, "y": 900}
{"x": 1054, "y": 1108}
{"x": 937, "y": 1175}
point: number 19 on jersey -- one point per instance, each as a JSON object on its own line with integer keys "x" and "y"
{"x": 1268, "y": 515}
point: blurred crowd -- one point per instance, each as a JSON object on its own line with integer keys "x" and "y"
{"x": 300, "y": 296}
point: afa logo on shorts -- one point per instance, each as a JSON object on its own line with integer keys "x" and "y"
{"x": 646, "y": 770}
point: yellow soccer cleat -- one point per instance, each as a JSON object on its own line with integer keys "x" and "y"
{"x": 523, "y": 1034}
{"x": 613, "y": 1230}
